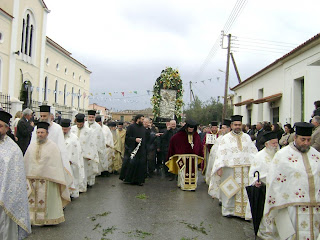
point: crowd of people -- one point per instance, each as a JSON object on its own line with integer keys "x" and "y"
{"x": 47, "y": 163}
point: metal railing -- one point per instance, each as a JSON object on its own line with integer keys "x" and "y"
{"x": 5, "y": 102}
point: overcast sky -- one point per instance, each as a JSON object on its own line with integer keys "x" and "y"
{"x": 126, "y": 43}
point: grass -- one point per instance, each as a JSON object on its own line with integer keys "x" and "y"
{"x": 96, "y": 226}
{"x": 138, "y": 234}
{"x": 196, "y": 228}
{"x": 93, "y": 218}
{"x": 108, "y": 230}
{"x": 142, "y": 196}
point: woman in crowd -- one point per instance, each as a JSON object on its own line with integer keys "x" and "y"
{"x": 288, "y": 135}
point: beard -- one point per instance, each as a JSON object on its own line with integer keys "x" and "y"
{"x": 237, "y": 130}
{"x": 2, "y": 136}
{"x": 41, "y": 141}
{"x": 48, "y": 120}
{"x": 303, "y": 149}
{"x": 272, "y": 150}
{"x": 91, "y": 121}
{"x": 140, "y": 123}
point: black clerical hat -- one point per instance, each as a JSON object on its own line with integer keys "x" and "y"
{"x": 214, "y": 123}
{"x": 45, "y": 108}
{"x": 303, "y": 128}
{"x": 5, "y": 117}
{"x": 98, "y": 118}
{"x": 236, "y": 118}
{"x": 120, "y": 123}
{"x": 43, "y": 125}
{"x": 267, "y": 136}
{"x": 80, "y": 117}
{"x": 92, "y": 112}
{"x": 191, "y": 123}
{"x": 226, "y": 122}
{"x": 65, "y": 122}
{"x": 112, "y": 124}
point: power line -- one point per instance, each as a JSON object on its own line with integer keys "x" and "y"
{"x": 237, "y": 9}
{"x": 263, "y": 40}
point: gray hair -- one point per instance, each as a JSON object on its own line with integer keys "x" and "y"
{"x": 27, "y": 111}
{"x": 317, "y": 119}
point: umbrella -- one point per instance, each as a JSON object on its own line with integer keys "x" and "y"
{"x": 256, "y": 196}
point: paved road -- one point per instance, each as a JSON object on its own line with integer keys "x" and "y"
{"x": 157, "y": 210}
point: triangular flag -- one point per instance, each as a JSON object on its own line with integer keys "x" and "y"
{"x": 110, "y": 94}
{"x": 135, "y": 92}
{"x": 122, "y": 93}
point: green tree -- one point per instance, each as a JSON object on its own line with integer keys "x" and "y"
{"x": 205, "y": 112}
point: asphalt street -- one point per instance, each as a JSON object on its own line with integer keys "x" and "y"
{"x": 157, "y": 210}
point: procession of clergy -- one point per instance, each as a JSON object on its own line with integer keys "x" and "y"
{"x": 291, "y": 174}
{"x": 60, "y": 162}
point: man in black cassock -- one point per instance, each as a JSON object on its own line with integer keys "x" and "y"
{"x": 134, "y": 170}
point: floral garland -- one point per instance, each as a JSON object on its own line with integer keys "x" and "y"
{"x": 169, "y": 79}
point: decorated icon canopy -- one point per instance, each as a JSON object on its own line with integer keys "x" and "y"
{"x": 169, "y": 79}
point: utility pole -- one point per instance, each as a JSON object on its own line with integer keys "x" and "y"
{"x": 235, "y": 67}
{"x": 225, "y": 105}
{"x": 191, "y": 92}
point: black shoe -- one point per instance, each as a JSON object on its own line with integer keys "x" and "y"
{"x": 140, "y": 184}
{"x": 220, "y": 203}
{"x": 89, "y": 186}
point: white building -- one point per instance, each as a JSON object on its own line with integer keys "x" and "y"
{"x": 283, "y": 91}
{"x": 34, "y": 69}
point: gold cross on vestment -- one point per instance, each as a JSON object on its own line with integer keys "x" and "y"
{"x": 192, "y": 145}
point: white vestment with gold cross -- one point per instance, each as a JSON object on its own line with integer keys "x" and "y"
{"x": 234, "y": 155}
{"x": 292, "y": 206}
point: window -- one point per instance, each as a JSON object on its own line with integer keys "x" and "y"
{"x": 65, "y": 71}
{"x": 72, "y": 92}
{"x": 73, "y": 75}
{"x": 0, "y": 75}
{"x": 80, "y": 78}
{"x": 65, "y": 94}
{"x": 45, "y": 96}
{"x": 260, "y": 106}
{"x": 1, "y": 37}
{"x": 57, "y": 66}
{"x": 79, "y": 98}
{"x": 47, "y": 61}
{"x": 27, "y": 34}
{"x": 56, "y": 92}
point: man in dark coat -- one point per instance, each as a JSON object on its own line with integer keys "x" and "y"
{"x": 24, "y": 130}
{"x": 164, "y": 144}
{"x": 134, "y": 170}
{"x": 259, "y": 143}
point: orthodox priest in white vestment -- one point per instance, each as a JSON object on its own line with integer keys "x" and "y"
{"x": 214, "y": 182}
{"x": 55, "y": 135}
{"x": 108, "y": 138}
{"x": 261, "y": 163}
{"x": 75, "y": 155}
{"x": 47, "y": 187}
{"x": 14, "y": 208}
{"x": 292, "y": 204}
{"x": 116, "y": 164}
{"x": 232, "y": 164}
{"x": 89, "y": 151}
{"x": 208, "y": 142}
{"x": 97, "y": 135}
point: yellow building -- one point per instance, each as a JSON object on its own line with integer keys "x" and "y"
{"x": 128, "y": 115}
{"x": 35, "y": 70}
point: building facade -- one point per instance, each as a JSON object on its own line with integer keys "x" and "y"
{"x": 35, "y": 70}
{"x": 128, "y": 115}
{"x": 283, "y": 91}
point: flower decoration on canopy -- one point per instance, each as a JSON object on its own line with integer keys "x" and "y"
{"x": 168, "y": 79}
